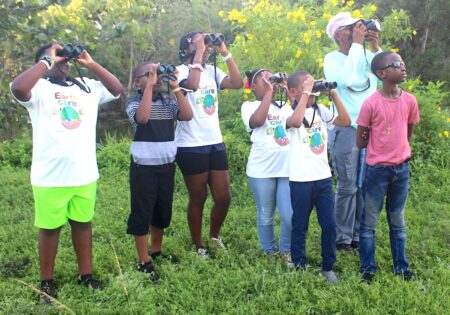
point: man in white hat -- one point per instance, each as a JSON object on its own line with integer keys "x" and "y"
{"x": 349, "y": 66}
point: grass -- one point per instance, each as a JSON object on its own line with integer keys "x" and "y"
{"x": 240, "y": 281}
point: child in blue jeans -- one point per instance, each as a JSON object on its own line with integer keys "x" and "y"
{"x": 310, "y": 175}
{"x": 385, "y": 126}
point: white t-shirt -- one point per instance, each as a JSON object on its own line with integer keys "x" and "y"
{"x": 64, "y": 121}
{"x": 203, "y": 128}
{"x": 269, "y": 155}
{"x": 308, "y": 157}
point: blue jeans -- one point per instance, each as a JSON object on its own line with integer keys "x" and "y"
{"x": 392, "y": 182}
{"x": 345, "y": 156}
{"x": 304, "y": 196}
{"x": 269, "y": 194}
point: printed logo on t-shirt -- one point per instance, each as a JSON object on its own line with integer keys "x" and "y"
{"x": 206, "y": 98}
{"x": 68, "y": 110}
{"x": 276, "y": 129}
{"x": 315, "y": 138}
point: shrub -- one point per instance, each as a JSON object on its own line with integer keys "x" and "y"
{"x": 113, "y": 153}
{"x": 16, "y": 153}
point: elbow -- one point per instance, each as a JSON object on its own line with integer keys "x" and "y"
{"x": 141, "y": 120}
{"x": 238, "y": 84}
{"x": 117, "y": 90}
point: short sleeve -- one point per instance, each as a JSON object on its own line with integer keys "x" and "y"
{"x": 183, "y": 72}
{"x": 247, "y": 110}
{"x": 35, "y": 93}
{"x": 220, "y": 75}
{"x": 131, "y": 107}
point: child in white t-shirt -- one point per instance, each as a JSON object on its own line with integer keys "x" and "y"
{"x": 310, "y": 176}
{"x": 267, "y": 167}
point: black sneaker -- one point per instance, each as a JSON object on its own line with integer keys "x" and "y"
{"x": 89, "y": 282}
{"x": 355, "y": 245}
{"x": 148, "y": 268}
{"x": 48, "y": 290}
{"x": 407, "y": 275}
{"x": 367, "y": 277}
{"x": 344, "y": 247}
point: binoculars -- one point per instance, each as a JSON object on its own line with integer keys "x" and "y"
{"x": 70, "y": 51}
{"x": 215, "y": 39}
{"x": 323, "y": 85}
{"x": 372, "y": 25}
{"x": 167, "y": 72}
{"x": 278, "y": 78}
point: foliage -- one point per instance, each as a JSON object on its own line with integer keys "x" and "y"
{"x": 113, "y": 154}
{"x": 16, "y": 153}
{"x": 274, "y": 35}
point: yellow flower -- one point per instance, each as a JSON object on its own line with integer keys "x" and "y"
{"x": 448, "y": 119}
{"x": 326, "y": 16}
{"x": 414, "y": 33}
{"x": 446, "y": 133}
{"x": 318, "y": 34}
{"x": 394, "y": 50}
{"x": 172, "y": 42}
{"x": 234, "y": 15}
{"x": 357, "y": 14}
{"x": 373, "y": 8}
{"x": 350, "y": 3}
{"x": 396, "y": 17}
{"x": 313, "y": 23}
{"x": 440, "y": 134}
{"x": 247, "y": 91}
{"x": 334, "y": 3}
{"x": 221, "y": 13}
{"x": 298, "y": 54}
{"x": 245, "y": 96}
{"x": 250, "y": 36}
{"x": 410, "y": 87}
{"x": 242, "y": 20}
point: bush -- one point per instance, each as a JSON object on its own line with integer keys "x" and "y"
{"x": 16, "y": 153}
{"x": 113, "y": 153}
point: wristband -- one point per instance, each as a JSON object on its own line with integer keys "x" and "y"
{"x": 196, "y": 66}
{"x": 225, "y": 58}
{"x": 176, "y": 89}
{"x": 47, "y": 60}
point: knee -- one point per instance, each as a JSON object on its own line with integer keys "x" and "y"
{"x": 265, "y": 217}
{"x": 198, "y": 199}
{"x": 223, "y": 199}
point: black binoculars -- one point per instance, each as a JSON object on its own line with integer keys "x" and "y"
{"x": 167, "y": 72}
{"x": 323, "y": 85}
{"x": 372, "y": 25}
{"x": 70, "y": 51}
{"x": 215, "y": 39}
{"x": 278, "y": 78}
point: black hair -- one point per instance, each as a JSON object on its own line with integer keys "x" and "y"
{"x": 294, "y": 79}
{"x": 379, "y": 61}
{"x": 40, "y": 51}
{"x": 137, "y": 71}
{"x": 185, "y": 41}
{"x": 251, "y": 75}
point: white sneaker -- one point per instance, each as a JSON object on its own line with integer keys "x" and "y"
{"x": 218, "y": 241}
{"x": 202, "y": 252}
{"x": 330, "y": 276}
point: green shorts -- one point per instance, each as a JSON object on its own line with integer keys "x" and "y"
{"x": 55, "y": 205}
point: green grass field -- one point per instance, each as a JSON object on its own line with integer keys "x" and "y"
{"x": 239, "y": 281}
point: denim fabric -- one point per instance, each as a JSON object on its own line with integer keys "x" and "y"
{"x": 269, "y": 194}
{"x": 349, "y": 201}
{"x": 304, "y": 196}
{"x": 392, "y": 183}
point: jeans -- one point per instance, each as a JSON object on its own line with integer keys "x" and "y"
{"x": 392, "y": 182}
{"x": 349, "y": 201}
{"x": 304, "y": 196}
{"x": 269, "y": 194}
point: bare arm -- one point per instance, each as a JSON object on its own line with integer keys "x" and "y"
{"x": 193, "y": 79}
{"x": 107, "y": 78}
{"x": 410, "y": 131}
{"x": 362, "y": 136}
{"x": 24, "y": 82}
{"x": 343, "y": 119}
{"x": 145, "y": 106}
{"x": 258, "y": 118}
{"x": 234, "y": 80}
{"x": 185, "y": 110}
{"x": 296, "y": 119}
